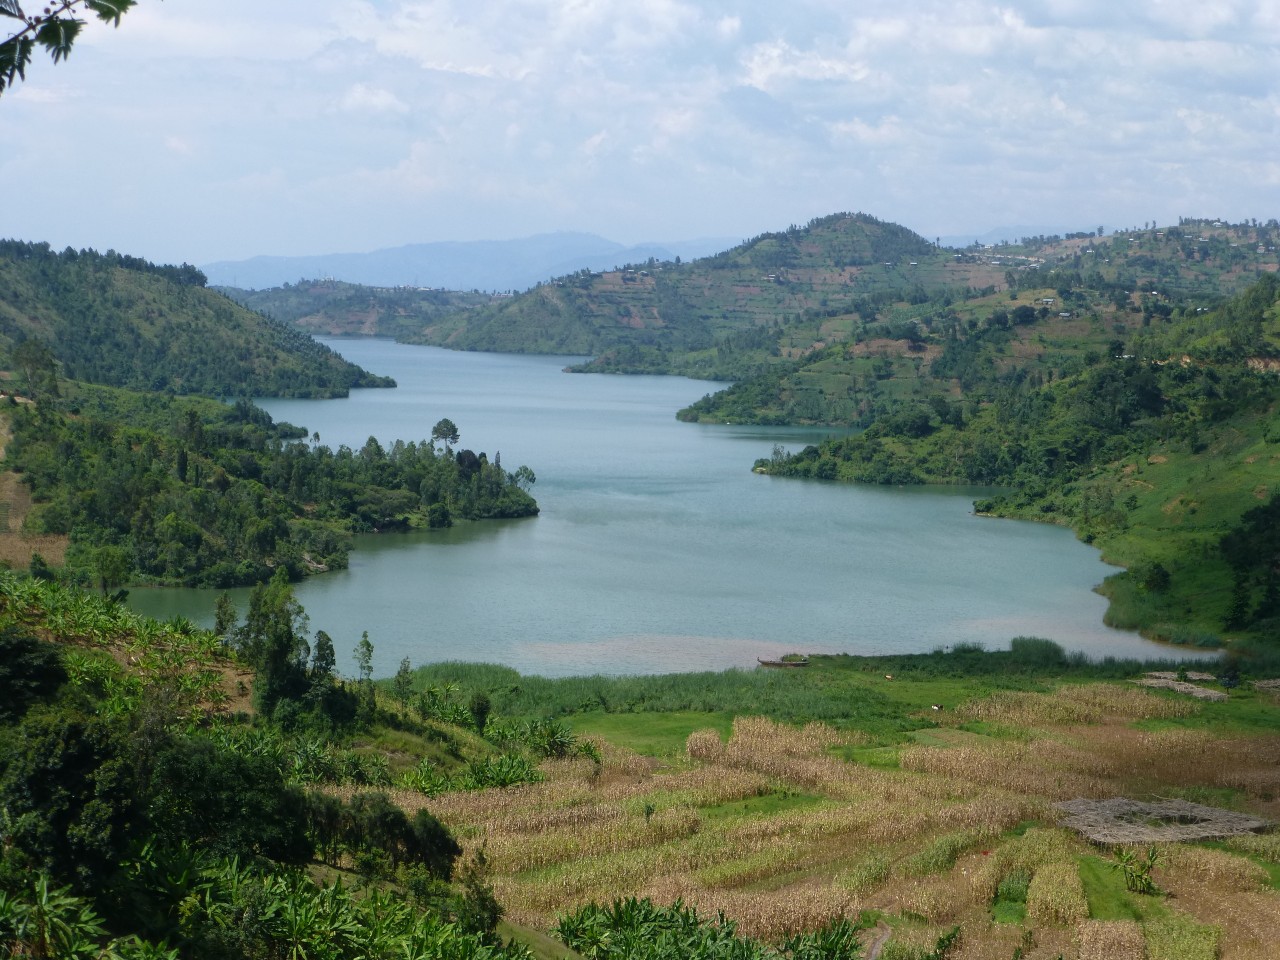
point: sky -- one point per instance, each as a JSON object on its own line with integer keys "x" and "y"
{"x": 205, "y": 130}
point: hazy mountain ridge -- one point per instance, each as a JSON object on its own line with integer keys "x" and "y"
{"x": 485, "y": 265}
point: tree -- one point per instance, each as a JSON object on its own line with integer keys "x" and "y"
{"x": 323, "y": 659}
{"x": 30, "y": 670}
{"x": 224, "y": 616}
{"x": 364, "y": 657}
{"x": 36, "y": 362}
{"x": 446, "y": 432}
{"x": 55, "y": 28}
{"x": 403, "y": 682}
{"x": 273, "y": 639}
{"x": 114, "y": 565}
{"x": 480, "y": 706}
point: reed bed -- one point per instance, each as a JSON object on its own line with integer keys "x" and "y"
{"x": 1111, "y": 940}
{"x": 1056, "y": 895}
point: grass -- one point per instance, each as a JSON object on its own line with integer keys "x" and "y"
{"x": 771, "y": 804}
{"x": 1105, "y": 892}
{"x": 651, "y": 734}
{"x": 1246, "y": 711}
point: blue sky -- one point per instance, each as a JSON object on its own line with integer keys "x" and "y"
{"x": 203, "y": 130}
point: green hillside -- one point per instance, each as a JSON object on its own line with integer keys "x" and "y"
{"x": 121, "y": 321}
{"x": 705, "y": 317}
{"x": 1050, "y": 305}
{"x": 349, "y": 309}
{"x": 1162, "y": 449}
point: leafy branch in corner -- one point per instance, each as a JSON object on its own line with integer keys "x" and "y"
{"x": 55, "y": 28}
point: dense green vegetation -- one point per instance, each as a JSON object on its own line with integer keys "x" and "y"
{"x": 119, "y": 320}
{"x": 634, "y": 929}
{"x": 1038, "y": 310}
{"x": 141, "y": 820}
{"x": 1159, "y": 450}
{"x": 840, "y": 321}
{"x": 176, "y": 490}
{"x": 140, "y": 824}
{"x": 335, "y": 307}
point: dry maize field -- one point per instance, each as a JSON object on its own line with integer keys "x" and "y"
{"x": 778, "y": 831}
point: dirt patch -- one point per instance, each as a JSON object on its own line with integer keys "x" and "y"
{"x": 16, "y": 547}
{"x": 1197, "y": 675}
{"x": 1178, "y": 686}
{"x": 1157, "y": 458}
{"x": 1164, "y": 821}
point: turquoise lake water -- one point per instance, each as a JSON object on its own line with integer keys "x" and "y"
{"x": 657, "y": 548}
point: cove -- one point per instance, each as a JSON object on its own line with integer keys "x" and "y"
{"x": 657, "y": 549}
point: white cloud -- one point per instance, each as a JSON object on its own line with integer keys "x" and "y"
{"x": 662, "y": 119}
{"x": 363, "y": 98}
{"x": 179, "y": 145}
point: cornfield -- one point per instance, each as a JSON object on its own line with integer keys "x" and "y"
{"x": 777, "y": 832}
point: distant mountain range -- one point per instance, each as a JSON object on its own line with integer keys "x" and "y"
{"x": 488, "y": 265}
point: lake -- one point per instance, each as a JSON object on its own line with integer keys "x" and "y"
{"x": 657, "y": 548}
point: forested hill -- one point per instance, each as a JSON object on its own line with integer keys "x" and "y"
{"x": 640, "y": 316}
{"x": 349, "y": 309}
{"x": 121, "y": 321}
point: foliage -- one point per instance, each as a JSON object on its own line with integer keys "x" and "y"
{"x": 132, "y": 829}
{"x": 196, "y": 492}
{"x": 348, "y": 309}
{"x": 841, "y": 689}
{"x": 55, "y": 29}
{"x": 30, "y": 670}
{"x": 1137, "y": 869}
{"x": 633, "y": 929}
{"x": 371, "y": 823}
{"x": 121, "y": 321}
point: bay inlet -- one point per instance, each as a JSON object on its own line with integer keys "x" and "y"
{"x": 657, "y": 549}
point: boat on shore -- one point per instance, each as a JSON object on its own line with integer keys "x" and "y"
{"x": 797, "y": 662}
